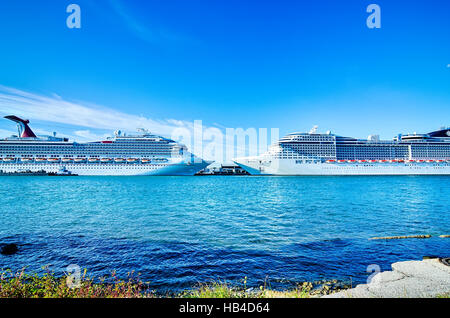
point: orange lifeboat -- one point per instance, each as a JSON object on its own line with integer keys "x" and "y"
{"x": 93, "y": 160}
{"x": 53, "y": 159}
{"x": 119, "y": 160}
{"x": 145, "y": 160}
{"x": 79, "y": 159}
{"x": 9, "y": 159}
{"x": 331, "y": 161}
{"x": 105, "y": 160}
{"x": 67, "y": 159}
{"x": 26, "y": 159}
{"x": 131, "y": 160}
{"x": 41, "y": 159}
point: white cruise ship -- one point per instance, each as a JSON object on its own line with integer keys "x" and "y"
{"x": 143, "y": 154}
{"x": 328, "y": 154}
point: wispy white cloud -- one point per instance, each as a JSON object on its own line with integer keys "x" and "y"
{"x": 84, "y": 121}
{"x": 57, "y": 110}
{"x": 136, "y": 27}
{"x": 140, "y": 29}
{"x": 88, "y": 122}
{"x": 89, "y": 135}
{"x": 5, "y": 132}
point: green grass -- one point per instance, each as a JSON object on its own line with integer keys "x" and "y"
{"x": 217, "y": 290}
{"x": 23, "y": 285}
{"x": 224, "y": 290}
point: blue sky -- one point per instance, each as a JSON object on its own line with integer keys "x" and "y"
{"x": 233, "y": 63}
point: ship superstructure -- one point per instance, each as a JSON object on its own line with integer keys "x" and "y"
{"x": 328, "y": 154}
{"x": 140, "y": 154}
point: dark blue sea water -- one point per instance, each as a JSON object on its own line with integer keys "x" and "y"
{"x": 178, "y": 231}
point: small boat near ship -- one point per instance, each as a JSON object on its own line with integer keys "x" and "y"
{"x": 26, "y": 173}
{"x": 62, "y": 172}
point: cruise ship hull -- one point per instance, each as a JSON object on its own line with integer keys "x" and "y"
{"x": 143, "y": 154}
{"x": 286, "y": 167}
{"x": 92, "y": 169}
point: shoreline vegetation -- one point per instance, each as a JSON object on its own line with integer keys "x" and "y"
{"x": 24, "y": 285}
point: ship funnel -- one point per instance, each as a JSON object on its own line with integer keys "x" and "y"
{"x": 22, "y": 125}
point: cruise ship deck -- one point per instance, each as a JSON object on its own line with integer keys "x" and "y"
{"x": 140, "y": 154}
{"x": 328, "y": 154}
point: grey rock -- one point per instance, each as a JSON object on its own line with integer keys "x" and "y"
{"x": 427, "y": 278}
{"x": 360, "y": 291}
{"x": 427, "y": 269}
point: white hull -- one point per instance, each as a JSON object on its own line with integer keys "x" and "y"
{"x": 121, "y": 155}
{"x": 256, "y": 166}
{"x": 114, "y": 169}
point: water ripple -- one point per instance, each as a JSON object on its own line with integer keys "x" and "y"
{"x": 180, "y": 231}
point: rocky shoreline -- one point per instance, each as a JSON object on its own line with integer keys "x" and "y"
{"x": 428, "y": 278}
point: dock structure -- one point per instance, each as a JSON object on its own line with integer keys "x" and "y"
{"x": 223, "y": 170}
